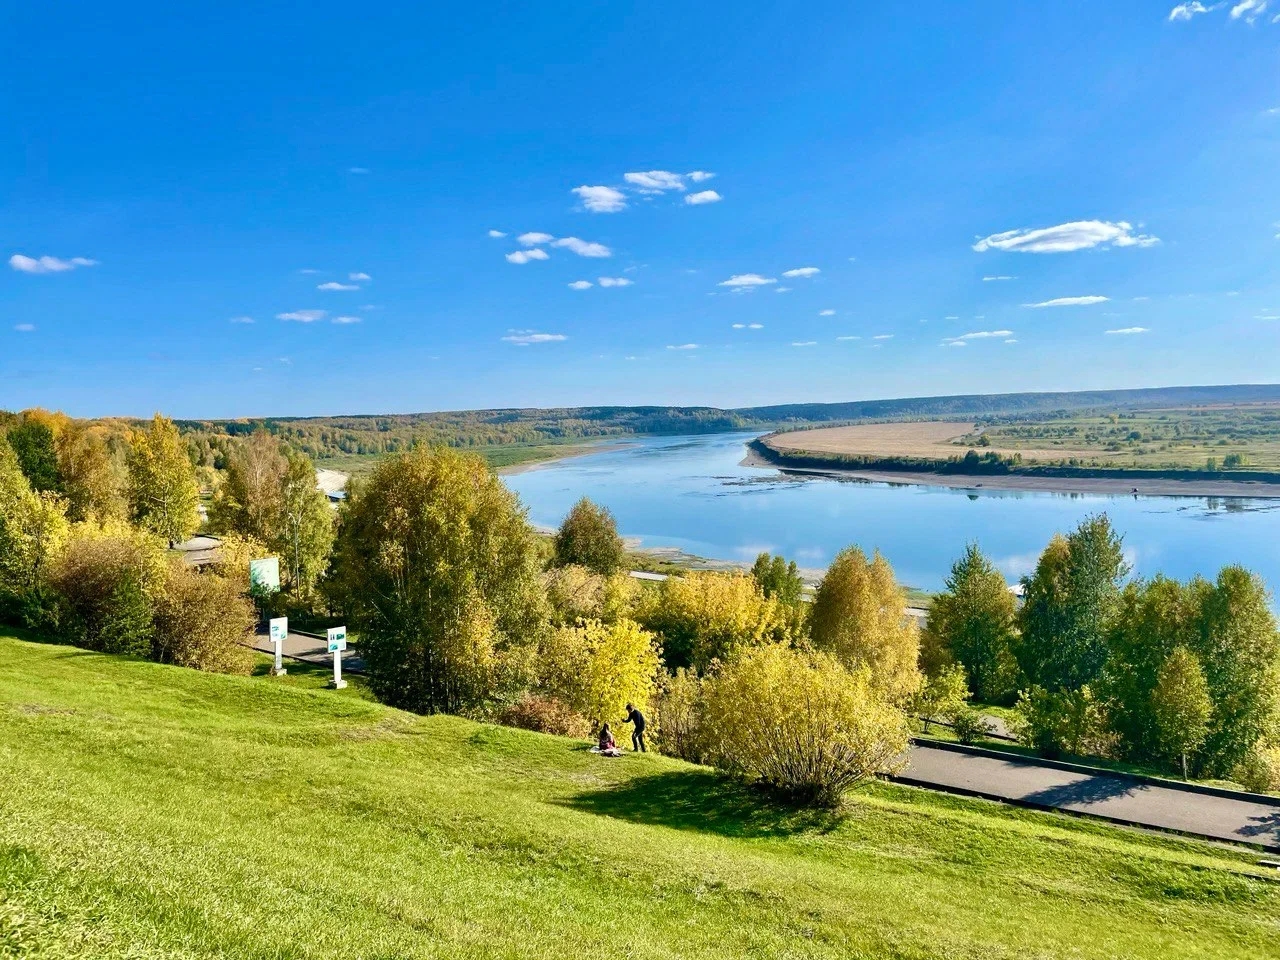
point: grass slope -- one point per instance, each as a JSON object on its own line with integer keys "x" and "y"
{"x": 148, "y": 811}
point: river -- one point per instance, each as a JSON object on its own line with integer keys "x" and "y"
{"x": 691, "y": 493}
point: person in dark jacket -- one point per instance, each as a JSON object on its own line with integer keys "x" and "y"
{"x": 637, "y": 735}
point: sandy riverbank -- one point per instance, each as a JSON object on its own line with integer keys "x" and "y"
{"x": 577, "y": 450}
{"x": 1038, "y": 484}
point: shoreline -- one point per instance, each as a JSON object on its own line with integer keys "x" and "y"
{"x": 1227, "y": 489}
{"x": 571, "y": 451}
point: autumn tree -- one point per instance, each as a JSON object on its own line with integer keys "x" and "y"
{"x": 1069, "y": 605}
{"x": 859, "y": 615}
{"x": 306, "y": 526}
{"x": 249, "y": 500}
{"x": 33, "y": 441}
{"x": 438, "y": 570}
{"x": 972, "y": 623}
{"x": 90, "y": 479}
{"x": 589, "y": 537}
{"x": 163, "y": 495}
{"x": 598, "y": 668}
{"x": 1180, "y": 706}
{"x": 704, "y": 616}
{"x": 33, "y": 531}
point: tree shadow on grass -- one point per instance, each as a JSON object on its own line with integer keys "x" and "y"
{"x": 706, "y": 802}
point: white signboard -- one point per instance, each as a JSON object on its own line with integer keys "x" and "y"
{"x": 337, "y": 639}
{"x": 265, "y": 574}
{"x": 279, "y": 629}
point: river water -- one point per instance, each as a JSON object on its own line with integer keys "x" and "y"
{"x": 691, "y": 493}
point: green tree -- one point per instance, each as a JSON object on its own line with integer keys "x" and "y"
{"x": 33, "y": 532}
{"x": 941, "y": 696}
{"x": 306, "y": 527}
{"x": 972, "y": 623}
{"x": 33, "y": 442}
{"x": 589, "y": 537}
{"x": 778, "y": 579}
{"x": 1069, "y": 606}
{"x": 163, "y": 495}
{"x": 438, "y": 570}
{"x": 1180, "y": 706}
{"x": 860, "y": 615}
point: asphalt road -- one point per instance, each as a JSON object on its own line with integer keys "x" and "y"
{"x": 1116, "y": 798}
{"x": 311, "y": 649}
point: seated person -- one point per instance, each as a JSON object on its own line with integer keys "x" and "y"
{"x": 605, "y": 745}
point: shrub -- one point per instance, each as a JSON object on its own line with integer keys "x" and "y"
{"x": 1070, "y": 721}
{"x": 597, "y": 668}
{"x": 800, "y": 722}
{"x": 202, "y": 621}
{"x": 705, "y": 616}
{"x": 679, "y": 715}
{"x": 941, "y": 695}
{"x": 1259, "y": 771}
{"x": 589, "y": 537}
{"x": 968, "y": 724}
{"x": 545, "y": 715}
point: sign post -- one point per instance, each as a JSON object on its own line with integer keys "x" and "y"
{"x": 264, "y": 575}
{"x": 337, "y": 643}
{"x": 279, "y": 630}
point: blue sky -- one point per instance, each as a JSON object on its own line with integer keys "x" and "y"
{"x": 169, "y": 170}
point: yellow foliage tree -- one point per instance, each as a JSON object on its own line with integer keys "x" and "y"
{"x": 859, "y": 616}
{"x": 598, "y": 668}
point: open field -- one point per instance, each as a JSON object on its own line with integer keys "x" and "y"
{"x": 149, "y": 811}
{"x": 1217, "y": 439}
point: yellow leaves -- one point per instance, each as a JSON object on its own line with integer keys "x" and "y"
{"x": 598, "y": 668}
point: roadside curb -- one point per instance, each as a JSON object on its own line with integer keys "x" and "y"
{"x": 1200, "y": 788}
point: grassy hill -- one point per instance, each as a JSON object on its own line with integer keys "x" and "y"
{"x": 149, "y": 811}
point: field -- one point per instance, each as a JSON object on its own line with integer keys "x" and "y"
{"x": 1221, "y": 438}
{"x": 147, "y": 811}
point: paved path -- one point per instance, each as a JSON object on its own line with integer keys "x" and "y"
{"x": 1116, "y": 798}
{"x": 311, "y": 649}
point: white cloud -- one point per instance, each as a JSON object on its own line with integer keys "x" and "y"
{"x": 615, "y": 281}
{"x": 331, "y": 285}
{"x": 801, "y": 272}
{"x": 1011, "y": 340}
{"x": 241, "y": 320}
{"x": 883, "y": 336}
{"x": 698, "y": 176}
{"x": 24, "y": 327}
{"x": 303, "y": 316}
{"x": 1066, "y": 237}
{"x": 953, "y": 343}
{"x": 583, "y": 248}
{"x": 1185, "y": 11}
{"x": 739, "y": 326}
{"x": 346, "y": 320}
{"x": 655, "y": 181}
{"x": 581, "y": 285}
{"x": 1268, "y": 315}
{"x": 848, "y": 338}
{"x": 782, "y": 290}
{"x": 497, "y": 234}
{"x": 997, "y": 279}
{"x": 534, "y": 237}
{"x": 1250, "y": 10}
{"x": 804, "y": 343}
{"x": 1124, "y": 331}
{"x": 944, "y": 318}
{"x": 601, "y": 199}
{"x": 682, "y": 346}
{"x": 358, "y": 276}
{"x": 755, "y": 326}
{"x": 523, "y": 338}
{"x": 1068, "y": 302}
{"x": 744, "y": 280}
{"x": 24, "y": 264}
{"x": 524, "y": 256}
{"x": 357, "y": 169}
{"x": 308, "y": 271}
{"x": 701, "y": 197}
{"x": 826, "y": 313}
{"x": 983, "y": 335}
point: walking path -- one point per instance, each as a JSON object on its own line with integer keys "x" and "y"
{"x": 1122, "y": 799}
{"x": 312, "y": 649}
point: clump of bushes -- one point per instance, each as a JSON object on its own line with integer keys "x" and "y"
{"x": 597, "y": 668}
{"x": 544, "y": 714}
{"x": 800, "y": 722}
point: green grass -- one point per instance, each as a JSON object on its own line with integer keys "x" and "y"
{"x": 148, "y": 811}
{"x": 496, "y": 455}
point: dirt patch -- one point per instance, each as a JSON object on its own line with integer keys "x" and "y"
{"x": 931, "y": 438}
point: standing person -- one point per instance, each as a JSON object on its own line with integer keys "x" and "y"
{"x": 637, "y": 735}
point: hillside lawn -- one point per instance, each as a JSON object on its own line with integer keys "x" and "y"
{"x": 150, "y": 811}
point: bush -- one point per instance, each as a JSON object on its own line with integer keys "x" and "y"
{"x": 202, "y": 621}
{"x": 598, "y": 668}
{"x": 800, "y": 722}
{"x": 969, "y": 725}
{"x": 679, "y": 717}
{"x": 941, "y": 695}
{"x": 1259, "y": 771}
{"x": 1070, "y": 721}
{"x": 545, "y": 715}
